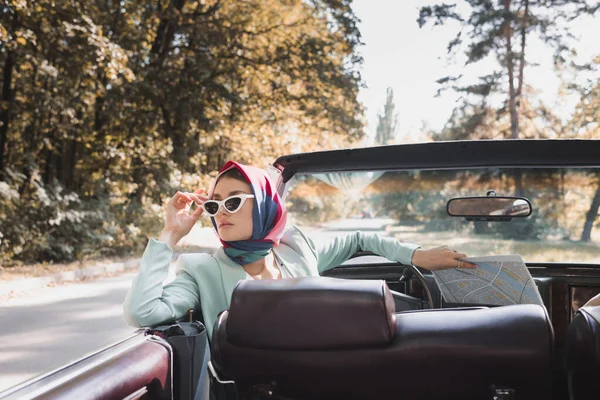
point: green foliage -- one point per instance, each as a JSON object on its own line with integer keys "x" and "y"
{"x": 51, "y": 224}
{"x": 108, "y": 107}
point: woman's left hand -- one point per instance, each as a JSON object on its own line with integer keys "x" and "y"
{"x": 438, "y": 258}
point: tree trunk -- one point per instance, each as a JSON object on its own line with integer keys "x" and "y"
{"x": 166, "y": 29}
{"x": 67, "y": 163}
{"x": 137, "y": 196}
{"x": 522, "y": 55}
{"x": 50, "y": 168}
{"x": 512, "y": 93}
{"x": 7, "y": 96}
{"x": 590, "y": 217}
{"x": 99, "y": 116}
{"x": 512, "y": 104}
{"x": 519, "y": 183}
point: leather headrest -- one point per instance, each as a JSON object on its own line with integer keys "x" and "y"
{"x": 311, "y": 313}
{"x": 593, "y": 312}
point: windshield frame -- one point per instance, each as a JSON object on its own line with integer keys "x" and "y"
{"x": 444, "y": 155}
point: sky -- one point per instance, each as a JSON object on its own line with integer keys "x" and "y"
{"x": 399, "y": 54}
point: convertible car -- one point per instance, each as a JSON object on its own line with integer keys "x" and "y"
{"x": 376, "y": 329}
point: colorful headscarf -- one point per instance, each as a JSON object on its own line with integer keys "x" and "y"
{"x": 268, "y": 216}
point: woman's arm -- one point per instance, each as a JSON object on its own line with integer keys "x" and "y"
{"x": 340, "y": 249}
{"x": 148, "y": 303}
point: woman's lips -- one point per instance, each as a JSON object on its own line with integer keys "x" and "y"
{"x": 224, "y": 225}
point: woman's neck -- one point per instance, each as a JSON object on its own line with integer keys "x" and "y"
{"x": 263, "y": 268}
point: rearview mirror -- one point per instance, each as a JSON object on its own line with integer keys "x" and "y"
{"x": 488, "y": 208}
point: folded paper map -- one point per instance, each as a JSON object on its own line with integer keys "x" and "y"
{"x": 499, "y": 280}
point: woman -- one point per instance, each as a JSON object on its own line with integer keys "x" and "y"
{"x": 249, "y": 217}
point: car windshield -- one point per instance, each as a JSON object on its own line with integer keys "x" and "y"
{"x": 411, "y": 206}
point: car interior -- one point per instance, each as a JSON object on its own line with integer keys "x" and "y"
{"x": 355, "y": 345}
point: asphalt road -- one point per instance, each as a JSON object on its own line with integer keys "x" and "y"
{"x": 50, "y": 327}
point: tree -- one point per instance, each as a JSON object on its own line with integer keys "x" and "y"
{"x": 501, "y": 29}
{"x": 387, "y": 122}
{"x": 591, "y": 215}
{"x": 108, "y": 106}
{"x": 586, "y": 124}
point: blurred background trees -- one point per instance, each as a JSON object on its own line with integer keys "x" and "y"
{"x": 108, "y": 107}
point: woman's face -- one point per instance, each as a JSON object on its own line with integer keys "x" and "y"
{"x": 238, "y": 226}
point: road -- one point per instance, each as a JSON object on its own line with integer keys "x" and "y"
{"x": 50, "y": 327}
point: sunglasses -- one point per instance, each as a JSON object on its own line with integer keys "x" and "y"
{"x": 232, "y": 204}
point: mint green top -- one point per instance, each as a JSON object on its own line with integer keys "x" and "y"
{"x": 208, "y": 280}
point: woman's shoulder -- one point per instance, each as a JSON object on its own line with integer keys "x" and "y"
{"x": 194, "y": 263}
{"x": 293, "y": 233}
{"x": 297, "y": 239}
{"x": 198, "y": 257}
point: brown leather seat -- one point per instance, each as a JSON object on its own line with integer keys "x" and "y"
{"x": 315, "y": 338}
{"x": 583, "y": 354}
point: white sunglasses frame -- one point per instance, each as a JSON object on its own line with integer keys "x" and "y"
{"x": 221, "y": 203}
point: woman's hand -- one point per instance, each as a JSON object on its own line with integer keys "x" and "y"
{"x": 442, "y": 257}
{"x": 179, "y": 221}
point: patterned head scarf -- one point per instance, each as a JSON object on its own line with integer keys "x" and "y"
{"x": 268, "y": 216}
